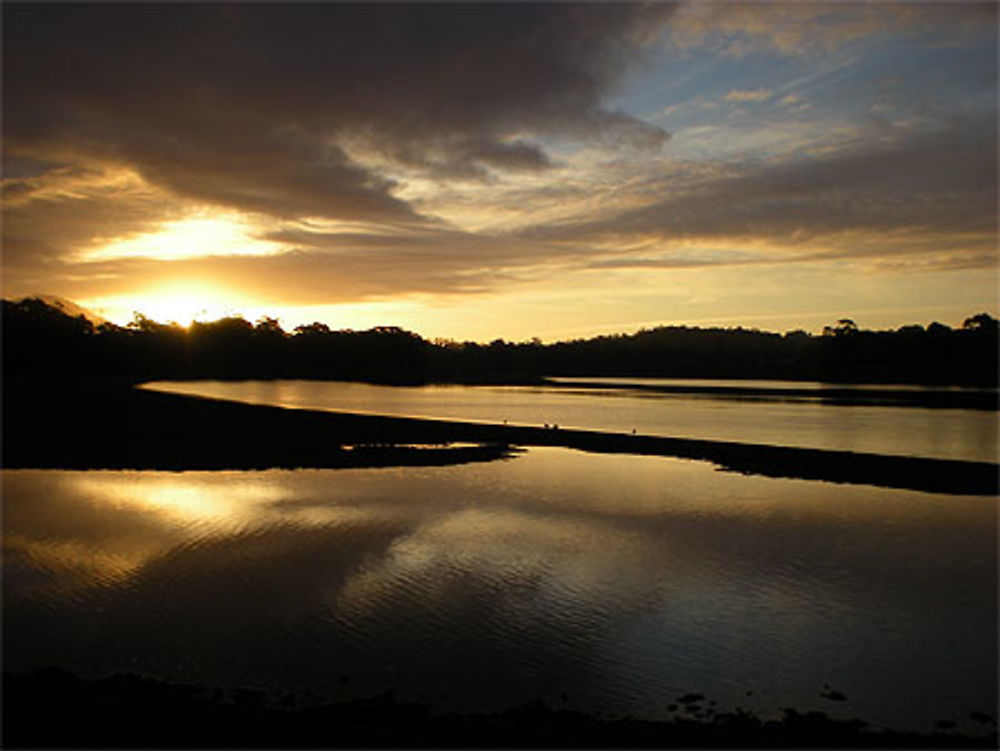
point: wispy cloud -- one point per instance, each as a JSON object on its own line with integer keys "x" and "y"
{"x": 810, "y": 28}
{"x": 748, "y": 95}
{"x": 923, "y": 192}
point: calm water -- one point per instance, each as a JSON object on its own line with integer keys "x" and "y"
{"x": 943, "y": 433}
{"x": 619, "y": 581}
{"x": 758, "y": 383}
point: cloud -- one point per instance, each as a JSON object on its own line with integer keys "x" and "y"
{"x": 806, "y": 28}
{"x": 123, "y": 118}
{"x": 249, "y": 105}
{"x": 57, "y": 229}
{"x": 49, "y": 218}
{"x": 429, "y": 149}
{"x": 917, "y": 192}
{"x": 744, "y": 95}
{"x": 675, "y": 260}
{"x": 311, "y": 266}
{"x": 919, "y": 200}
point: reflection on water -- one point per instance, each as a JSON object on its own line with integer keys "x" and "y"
{"x": 620, "y": 582}
{"x": 752, "y": 383}
{"x": 911, "y": 431}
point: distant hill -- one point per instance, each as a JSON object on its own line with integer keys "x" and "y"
{"x": 68, "y": 307}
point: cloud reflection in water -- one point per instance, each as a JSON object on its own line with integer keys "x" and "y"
{"x": 619, "y": 581}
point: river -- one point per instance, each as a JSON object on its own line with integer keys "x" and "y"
{"x": 606, "y": 583}
{"x": 912, "y": 431}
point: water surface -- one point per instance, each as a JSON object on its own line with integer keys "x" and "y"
{"x": 909, "y": 431}
{"x": 764, "y": 384}
{"x": 610, "y": 583}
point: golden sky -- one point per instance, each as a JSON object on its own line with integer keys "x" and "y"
{"x": 475, "y": 171}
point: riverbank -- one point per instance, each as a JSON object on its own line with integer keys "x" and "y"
{"x": 112, "y": 425}
{"x": 56, "y": 709}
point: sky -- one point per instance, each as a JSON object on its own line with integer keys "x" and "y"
{"x": 476, "y": 171}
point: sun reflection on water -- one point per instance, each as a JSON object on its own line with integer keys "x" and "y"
{"x": 191, "y": 497}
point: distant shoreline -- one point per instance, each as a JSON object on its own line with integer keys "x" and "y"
{"x": 42, "y": 337}
{"x": 112, "y": 425}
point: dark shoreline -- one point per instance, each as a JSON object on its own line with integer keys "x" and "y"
{"x": 52, "y": 708}
{"x": 112, "y": 425}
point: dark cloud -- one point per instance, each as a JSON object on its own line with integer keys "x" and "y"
{"x": 48, "y": 219}
{"x": 248, "y": 104}
{"x": 466, "y": 158}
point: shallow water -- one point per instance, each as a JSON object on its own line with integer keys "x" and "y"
{"x": 910, "y": 431}
{"x": 611, "y": 583}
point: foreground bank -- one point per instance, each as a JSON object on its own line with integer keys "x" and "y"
{"x": 56, "y": 709}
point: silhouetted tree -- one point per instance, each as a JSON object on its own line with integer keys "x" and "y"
{"x": 981, "y": 322}
{"x": 39, "y": 338}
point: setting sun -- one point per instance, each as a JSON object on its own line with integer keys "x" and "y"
{"x": 179, "y": 303}
{"x": 182, "y": 308}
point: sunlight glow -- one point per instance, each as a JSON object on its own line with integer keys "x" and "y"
{"x": 180, "y": 302}
{"x": 200, "y": 235}
{"x": 206, "y": 498}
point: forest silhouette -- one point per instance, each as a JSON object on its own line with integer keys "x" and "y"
{"x": 40, "y": 338}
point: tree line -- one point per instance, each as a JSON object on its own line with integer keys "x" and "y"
{"x": 40, "y": 338}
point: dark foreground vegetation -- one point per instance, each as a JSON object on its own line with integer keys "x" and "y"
{"x": 97, "y": 424}
{"x": 55, "y": 709}
{"x": 39, "y": 337}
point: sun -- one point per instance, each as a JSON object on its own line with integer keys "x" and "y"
{"x": 178, "y": 302}
{"x": 183, "y": 308}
